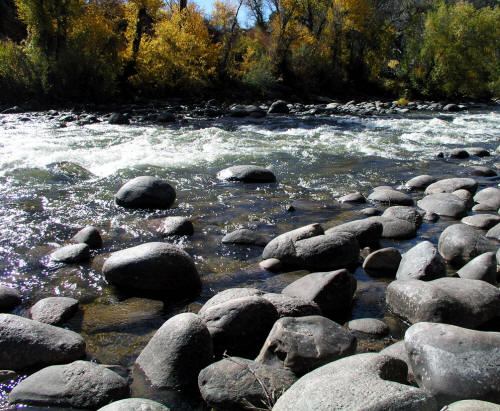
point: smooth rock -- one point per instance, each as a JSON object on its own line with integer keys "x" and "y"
{"x": 392, "y": 196}
{"x": 421, "y": 262}
{"x": 360, "y": 382}
{"x": 157, "y": 269}
{"x": 279, "y": 107}
{"x": 176, "y": 226}
{"x": 245, "y": 236}
{"x": 494, "y": 232}
{"x": 483, "y": 267}
{"x": 25, "y": 343}
{"x": 70, "y": 254}
{"x": 367, "y": 231}
{"x": 453, "y": 363}
{"x": 459, "y": 153}
{"x": 146, "y": 192}
{"x": 177, "y": 353}
{"x": 489, "y": 198}
{"x": 449, "y": 185}
{"x": 247, "y": 174}
{"x": 370, "y": 211}
{"x": 90, "y": 236}
{"x": 420, "y": 182}
{"x": 383, "y": 262}
{"x": 398, "y": 350}
{"x": 135, "y": 404}
{"x": 478, "y": 151}
{"x": 460, "y": 243}
{"x": 459, "y": 301}
{"x": 228, "y": 295}
{"x": 10, "y": 298}
{"x": 271, "y": 264}
{"x": 118, "y": 118}
{"x": 405, "y": 213}
{"x": 444, "y": 204}
{"x": 241, "y": 384}
{"x": 80, "y": 384}
{"x": 306, "y": 343}
{"x": 465, "y": 196}
{"x": 287, "y": 306}
{"x": 332, "y": 291}
{"x": 372, "y": 326}
{"x": 357, "y": 198}
{"x": 396, "y": 228}
{"x": 482, "y": 171}
{"x": 54, "y": 310}
{"x": 482, "y": 221}
{"x": 472, "y": 405}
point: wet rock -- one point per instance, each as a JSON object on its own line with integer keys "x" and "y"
{"x": 71, "y": 254}
{"x": 449, "y": 185}
{"x": 228, "y": 295}
{"x": 332, "y": 291}
{"x": 247, "y": 174}
{"x": 165, "y": 117}
{"x": 482, "y": 221}
{"x": 466, "y": 366}
{"x": 26, "y": 343}
{"x": 420, "y": 182}
{"x": 451, "y": 107}
{"x": 81, "y": 384}
{"x": 472, "y": 405}
{"x": 176, "y": 226}
{"x": 245, "y": 236}
{"x": 359, "y": 382}
{"x": 10, "y": 298}
{"x": 308, "y": 248}
{"x": 157, "y": 269}
{"x": 240, "y": 326}
{"x": 240, "y": 384}
{"x": 118, "y": 118}
{"x": 483, "y": 267}
{"x": 383, "y": 262}
{"x": 306, "y": 343}
{"x": 135, "y": 404}
{"x": 494, "y": 232}
{"x": 90, "y": 236}
{"x": 459, "y": 153}
{"x": 177, "y": 353}
{"x": 463, "y": 302}
{"x": 7, "y": 376}
{"x": 54, "y": 310}
{"x": 482, "y": 171}
{"x": 357, "y": 198}
{"x": 271, "y": 264}
{"x": 398, "y": 350}
{"x": 460, "y": 243}
{"x": 287, "y": 306}
{"x": 478, "y": 151}
{"x": 409, "y": 214}
{"x": 279, "y": 107}
{"x": 391, "y": 196}
{"x": 444, "y": 204}
{"x": 488, "y": 198}
{"x": 430, "y": 217}
{"x": 367, "y": 231}
{"x": 396, "y": 228}
{"x": 370, "y": 211}
{"x": 372, "y": 326}
{"x": 421, "y": 262}
{"x": 146, "y": 192}
{"x": 465, "y": 196}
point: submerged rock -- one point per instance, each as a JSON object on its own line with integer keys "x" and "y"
{"x": 146, "y": 192}
{"x": 176, "y": 226}
{"x": 247, "y": 174}
{"x": 70, "y": 254}
{"x": 357, "y": 198}
{"x": 245, "y": 236}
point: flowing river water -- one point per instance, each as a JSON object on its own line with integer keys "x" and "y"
{"x": 55, "y": 180}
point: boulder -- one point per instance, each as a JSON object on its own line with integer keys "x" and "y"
{"x": 146, "y": 192}
{"x": 177, "y": 353}
{"x": 460, "y": 243}
{"x": 465, "y": 196}
{"x": 421, "y": 262}
{"x": 371, "y": 326}
{"x": 279, "y": 107}
{"x": 247, "y": 174}
{"x": 228, "y": 295}
{"x": 449, "y": 185}
{"x": 292, "y": 306}
{"x": 332, "y": 291}
{"x": 357, "y": 198}
{"x": 240, "y": 326}
{"x": 10, "y": 298}
{"x": 478, "y": 151}
{"x": 482, "y": 171}
{"x": 482, "y": 221}
{"x": 156, "y": 269}
{"x": 359, "y": 382}
{"x": 370, "y": 211}
{"x": 483, "y": 267}
{"x": 453, "y": 363}
{"x": 54, "y": 310}
{"x": 71, "y": 254}
{"x": 240, "y": 384}
{"x": 398, "y": 350}
{"x": 90, "y": 236}
{"x": 396, "y": 228}
{"x": 305, "y": 343}
{"x": 25, "y": 343}
{"x": 444, "y": 204}
{"x": 459, "y": 153}
{"x": 488, "y": 198}
{"x": 472, "y": 405}
{"x": 245, "y": 236}
{"x": 176, "y": 226}
{"x": 271, "y": 264}
{"x": 458, "y": 301}
{"x": 405, "y": 213}
{"x": 80, "y": 384}
{"x": 391, "y": 196}
{"x": 420, "y": 182}
{"x": 383, "y": 262}
{"x": 367, "y": 231}
{"x": 134, "y": 404}
{"x": 494, "y": 232}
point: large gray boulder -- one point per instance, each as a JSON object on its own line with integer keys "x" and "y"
{"x": 359, "y": 382}
{"x": 398, "y": 350}
{"x": 356, "y": 198}
{"x": 54, "y": 310}
{"x": 90, "y": 236}
{"x": 458, "y": 301}
{"x": 449, "y": 185}
{"x": 310, "y": 248}
{"x": 156, "y": 269}
{"x": 10, "y": 298}
{"x": 247, "y": 174}
{"x": 135, "y": 404}
{"x": 177, "y": 353}
{"x": 391, "y": 196}
{"x": 494, "y": 232}
{"x": 230, "y": 294}
{"x": 482, "y": 221}
{"x": 146, "y": 192}
{"x": 489, "y": 198}
{"x": 80, "y": 384}
{"x": 70, "y": 254}
{"x": 460, "y": 243}
{"x": 396, "y": 228}
{"x": 306, "y": 343}
{"x": 420, "y": 182}
{"x": 367, "y": 231}
{"x": 292, "y": 306}
{"x": 453, "y": 363}
{"x": 241, "y": 384}
{"x": 240, "y": 326}
{"x": 421, "y": 262}
{"x": 483, "y": 267}
{"x": 25, "y": 343}
{"x": 405, "y": 213}
{"x": 332, "y": 291}
{"x": 472, "y": 405}
{"x": 383, "y": 262}
{"x": 444, "y": 204}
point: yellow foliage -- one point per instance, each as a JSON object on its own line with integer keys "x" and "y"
{"x": 355, "y": 14}
{"x": 222, "y": 16}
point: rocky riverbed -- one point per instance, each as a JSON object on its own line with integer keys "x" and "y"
{"x": 273, "y": 246}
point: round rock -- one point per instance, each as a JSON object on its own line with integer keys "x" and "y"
{"x": 10, "y": 298}
{"x": 472, "y": 405}
{"x": 271, "y": 264}
{"x": 228, "y": 295}
{"x": 488, "y": 198}
{"x": 135, "y": 404}
{"x": 291, "y": 306}
{"x": 357, "y": 198}
{"x": 483, "y": 267}
{"x": 482, "y": 171}
{"x": 367, "y": 231}
{"x": 146, "y": 192}
{"x": 54, "y": 310}
{"x": 449, "y": 185}
{"x": 420, "y": 182}
{"x": 409, "y": 214}
{"x": 71, "y": 254}
{"x": 383, "y": 262}
{"x": 391, "y": 196}
{"x": 247, "y": 174}
{"x": 176, "y": 226}
{"x": 494, "y": 232}
{"x": 444, "y": 204}
{"x": 372, "y": 326}
{"x": 90, "y": 236}
{"x": 482, "y": 221}
{"x": 245, "y": 236}
{"x": 421, "y": 262}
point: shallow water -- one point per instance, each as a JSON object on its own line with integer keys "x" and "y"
{"x": 54, "y": 180}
